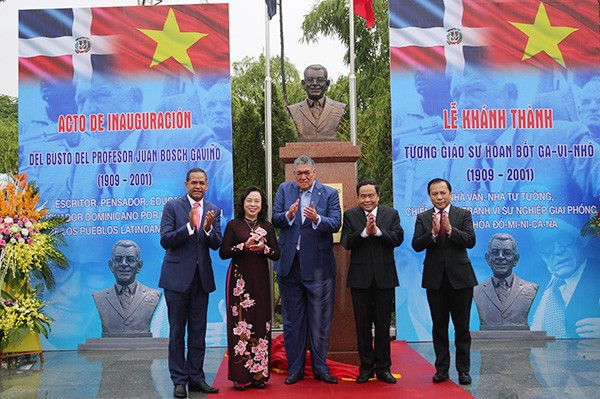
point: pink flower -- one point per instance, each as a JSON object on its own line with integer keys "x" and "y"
{"x": 240, "y": 347}
{"x": 238, "y": 330}
{"x": 240, "y": 283}
{"x": 240, "y": 246}
{"x": 261, "y": 231}
{"x": 237, "y": 291}
{"x": 263, "y": 344}
{"x": 247, "y": 302}
{"x": 255, "y": 368}
{"x": 234, "y": 311}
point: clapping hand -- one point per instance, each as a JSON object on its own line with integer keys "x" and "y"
{"x": 208, "y": 220}
{"x": 371, "y": 228}
{"x": 311, "y": 213}
{"x": 293, "y": 209}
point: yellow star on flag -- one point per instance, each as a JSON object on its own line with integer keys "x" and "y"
{"x": 543, "y": 36}
{"x": 171, "y": 42}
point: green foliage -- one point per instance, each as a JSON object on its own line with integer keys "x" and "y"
{"x": 9, "y": 143}
{"x": 247, "y": 86}
{"x": 373, "y": 119}
{"x": 9, "y": 107}
{"x": 8, "y": 134}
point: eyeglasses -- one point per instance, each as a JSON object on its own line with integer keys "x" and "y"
{"x": 318, "y": 80}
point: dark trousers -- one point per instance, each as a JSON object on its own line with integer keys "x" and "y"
{"x": 187, "y": 309}
{"x": 456, "y": 303}
{"x": 373, "y": 306}
{"x": 307, "y": 308}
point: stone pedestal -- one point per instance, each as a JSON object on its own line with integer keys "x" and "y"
{"x": 508, "y": 334}
{"x": 122, "y": 343}
{"x": 336, "y": 166}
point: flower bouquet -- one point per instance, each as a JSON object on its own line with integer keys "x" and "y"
{"x": 29, "y": 241}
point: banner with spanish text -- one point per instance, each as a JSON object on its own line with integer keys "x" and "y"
{"x": 115, "y": 106}
{"x": 502, "y": 99}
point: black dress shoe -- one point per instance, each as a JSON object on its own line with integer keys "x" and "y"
{"x": 464, "y": 378}
{"x": 327, "y": 378}
{"x": 202, "y": 386}
{"x": 239, "y": 387}
{"x": 363, "y": 377}
{"x": 179, "y": 391}
{"x": 440, "y": 376}
{"x": 293, "y": 378}
{"x": 259, "y": 385}
{"x": 386, "y": 376}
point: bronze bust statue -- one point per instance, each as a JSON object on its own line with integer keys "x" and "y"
{"x": 317, "y": 118}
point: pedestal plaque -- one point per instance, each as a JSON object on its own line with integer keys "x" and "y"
{"x": 336, "y": 166}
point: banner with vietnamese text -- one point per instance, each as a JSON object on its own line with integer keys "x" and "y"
{"x": 502, "y": 99}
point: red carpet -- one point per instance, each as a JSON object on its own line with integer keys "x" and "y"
{"x": 412, "y": 371}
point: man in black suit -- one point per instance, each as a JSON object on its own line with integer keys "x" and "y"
{"x": 190, "y": 225}
{"x": 446, "y": 232}
{"x": 372, "y": 231}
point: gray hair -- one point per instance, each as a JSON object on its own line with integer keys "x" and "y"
{"x": 304, "y": 160}
{"x": 503, "y": 237}
{"x": 127, "y": 244}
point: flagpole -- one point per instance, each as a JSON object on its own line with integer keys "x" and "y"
{"x": 268, "y": 105}
{"x": 268, "y": 139}
{"x": 352, "y": 77}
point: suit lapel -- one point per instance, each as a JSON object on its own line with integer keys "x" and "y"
{"x": 325, "y": 113}
{"x": 513, "y": 293}
{"x": 305, "y": 109}
{"x": 490, "y": 292}
{"x": 317, "y": 194}
{"x": 136, "y": 301}
{"x": 113, "y": 299}
{"x": 380, "y": 215}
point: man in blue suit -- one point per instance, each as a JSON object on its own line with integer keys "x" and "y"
{"x": 190, "y": 225}
{"x": 308, "y": 213}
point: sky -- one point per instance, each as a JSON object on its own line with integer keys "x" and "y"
{"x": 247, "y": 33}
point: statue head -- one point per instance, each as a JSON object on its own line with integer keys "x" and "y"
{"x": 588, "y": 106}
{"x": 502, "y": 254}
{"x": 125, "y": 262}
{"x": 315, "y": 81}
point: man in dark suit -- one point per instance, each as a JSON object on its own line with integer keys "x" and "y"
{"x": 308, "y": 213}
{"x": 317, "y": 118}
{"x": 126, "y": 307}
{"x": 190, "y": 225}
{"x": 446, "y": 232}
{"x": 372, "y": 231}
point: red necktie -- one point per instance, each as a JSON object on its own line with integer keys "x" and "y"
{"x": 197, "y": 210}
{"x": 443, "y": 232}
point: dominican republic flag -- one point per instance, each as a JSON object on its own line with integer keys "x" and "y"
{"x": 450, "y": 34}
{"x": 129, "y": 41}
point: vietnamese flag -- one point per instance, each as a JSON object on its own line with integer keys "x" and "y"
{"x": 540, "y": 34}
{"x": 197, "y": 36}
